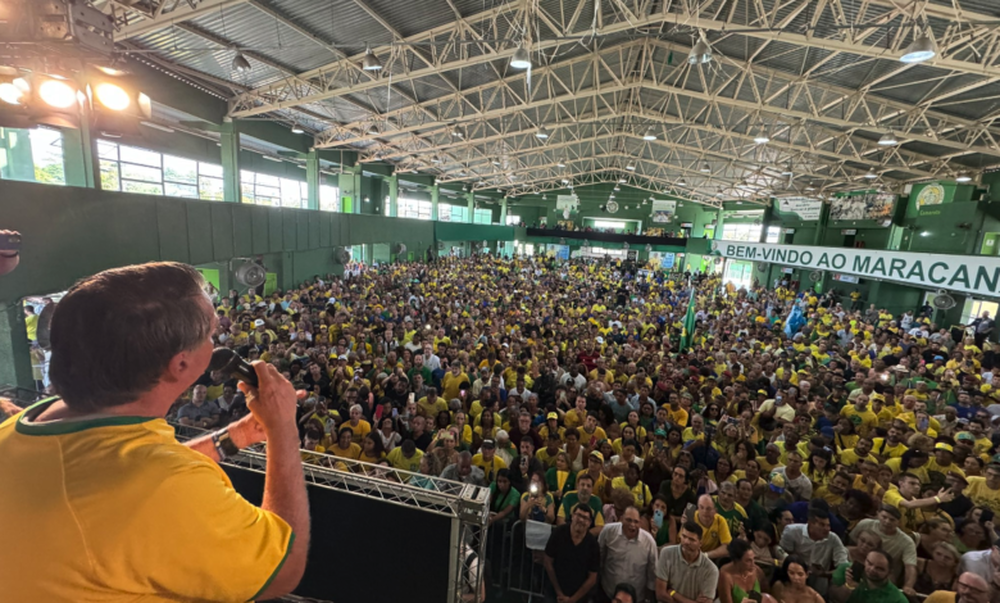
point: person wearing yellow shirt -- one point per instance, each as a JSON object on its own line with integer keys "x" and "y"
{"x": 771, "y": 459}
{"x": 678, "y": 415}
{"x": 715, "y": 534}
{"x": 985, "y": 491}
{"x": 31, "y": 322}
{"x": 943, "y": 462}
{"x": 696, "y": 431}
{"x": 344, "y": 446}
{"x": 575, "y": 417}
{"x": 487, "y": 460}
{"x": 859, "y": 413}
{"x": 358, "y": 426}
{"x": 406, "y": 457}
{"x": 453, "y": 380}
{"x": 834, "y": 490}
{"x": 857, "y": 455}
{"x": 891, "y": 446}
{"x": 591, "y": 433}
{"x": 903, "y": 497}
{"x": 430, "y": 405}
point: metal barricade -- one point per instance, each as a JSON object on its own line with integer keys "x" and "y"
{"x": 524, "y": 570}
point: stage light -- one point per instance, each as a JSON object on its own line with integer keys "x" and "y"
{"x": 650, "y": 134}
{"x": 241, "y": 64}
{"x": 13, "y": 91}
{"x": 112, "y": 96}
{"x": 297, "y": 129}
{"x": 963, "y": 177}
{"x": 57, "y": 93}
{"x": 701, "y": 52}
{"x": 762, "y": 138}
{"x": 888, "y": 140}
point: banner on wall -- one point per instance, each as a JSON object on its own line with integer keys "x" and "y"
{"x": 667, "y": 261}
{"x": 868, "y": 206}
{"x": 559, "y": 252}
{"x": 979, "y": 275}
{"x": 807, "y": 210}
{"x": 663, "y": 211}
{"x": 570, "y": 202}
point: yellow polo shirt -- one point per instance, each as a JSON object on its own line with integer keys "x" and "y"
{"x": 114, "y": 509}
{"x": 715, "y": 535}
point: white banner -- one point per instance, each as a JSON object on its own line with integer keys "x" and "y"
{"x": 869, "y": 206}
{"x": 566, "y": 202}
{"x": 663, "y": 211}
{"x": 962, "y": 273}
{"x": 806, "y": 209}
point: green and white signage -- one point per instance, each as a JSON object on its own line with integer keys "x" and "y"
{"x": 807, "y": 210}
{"x": 962, "y": 273}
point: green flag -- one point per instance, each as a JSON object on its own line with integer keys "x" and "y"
{"x": 688, "y": 326}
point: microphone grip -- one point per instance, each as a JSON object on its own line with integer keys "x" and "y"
{"x": 229, "y": 363}
{"x": 243, "y": 370}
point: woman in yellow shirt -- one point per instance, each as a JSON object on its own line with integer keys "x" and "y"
{"x": 345, "y": 448}
{"x": 372, "y": 450}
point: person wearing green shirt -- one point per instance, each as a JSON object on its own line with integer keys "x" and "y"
{"x": 504, "y": 498}
{"x": 582, "y": 495}
{"x": 874, "y": 586}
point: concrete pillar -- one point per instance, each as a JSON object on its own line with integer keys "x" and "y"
{"x": 766, "y": 220}
{"x": 470, "y": 198}
{"x": 503, "y": 211}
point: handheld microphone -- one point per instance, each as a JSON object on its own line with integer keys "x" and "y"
{"x": 230, "y": 363}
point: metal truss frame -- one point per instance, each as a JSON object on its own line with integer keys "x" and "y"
{"x": 465, "y": 505}
{"x": 827, "y": 132}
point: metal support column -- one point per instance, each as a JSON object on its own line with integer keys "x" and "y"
{"x": 503, "y": 211}
{"x": 82, "y": 167}
{"x": 470, "y": 198}
{"x": 229, "y": 137}
{"x": 435, "y": 196}
{"x": 312, "y": 179}
{"x": 393, "y": 184}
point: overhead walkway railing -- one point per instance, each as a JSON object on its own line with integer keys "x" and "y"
{"x": 633, "y": 240}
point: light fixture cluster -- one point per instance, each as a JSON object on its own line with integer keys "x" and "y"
{"x": 59, "y": 99}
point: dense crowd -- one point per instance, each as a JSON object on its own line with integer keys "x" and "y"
{"x": 688, "y": 441}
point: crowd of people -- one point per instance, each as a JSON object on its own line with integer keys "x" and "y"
{"x": 685, "y": 440}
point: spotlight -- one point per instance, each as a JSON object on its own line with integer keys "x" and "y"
{"x": 112, "y": 96}
{"x": 561, "y": 164}
{"x": 12, "y": 91}
{"x": 617, "y": 188}
{"x": 297, "y": 129}
{"x": 871, "y": 175}
{"x": 622, "y": 181}
{"x": 682, "y": 182}
{"x": 630, "y": 167}
{"x": 762, "y": 138}
{"x": 565, "y": 181}
{"x": 370, "y": 62}
{"x": 787, "y": 171}
{"x": 521, "y": 59}
{"x": 542, "y": 133}
{"x": 963, "y": 177}
{"x": 888, "y": 140}
{"x": 921, "y": 49}
{"x": 706, "y": 169}
{"x": 650, "y": 134}
{"x": 241, "y": 64}
{"x": 57, "y": 93}
{"x": 701, "y": 53}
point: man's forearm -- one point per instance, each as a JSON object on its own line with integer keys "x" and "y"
{"x": 285, "y": 490}
{"x": 910, "y": 576}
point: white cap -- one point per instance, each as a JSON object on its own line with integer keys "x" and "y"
{"x": 258, "y": 323}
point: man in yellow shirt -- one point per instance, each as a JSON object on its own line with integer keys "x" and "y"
{"x": 452, "y": 381}
{"x": 985, "y": 491}
{"x": 863, "y": 418}
{"x": 889, "y": 447}
{"x": 487, "y": 460}
{"x": 31, "y": 322}
{"x": 430, "y": 405}
{"x": 715, "y": 534}
{"x": 160, "y": 519}
{"x": 904, "y": 498}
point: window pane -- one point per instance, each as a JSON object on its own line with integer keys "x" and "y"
{"x": 329, "y": 198}
{"x": 140, "y": 156}
{"x": 268, "y": 180}
{"x": 181, "y": 190}
{"x": 247, "y": 177}
{"x": 177, "y": 169}
{"x": 267, "y": 191}
{"x": 107, "y": 150}
{"x": 142, "y": 187}
{"x": 291, "y": 193}
{"x": 211, "y": 189}
{"x": 47, "y": 155}
{"x": 109, "y": 176}
{"x": 210, "y": 169}
{"x": 138, "y": 172}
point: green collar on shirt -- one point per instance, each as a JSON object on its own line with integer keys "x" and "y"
{"x": 26, "y": 427}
